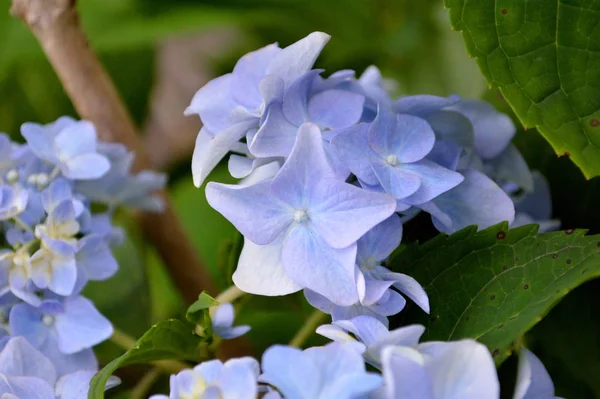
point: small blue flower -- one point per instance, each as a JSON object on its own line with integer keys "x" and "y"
{"x": 436, "y": 370}
{"x": 372, "y": 334}
{"x": 13, "y": 201}
{"x": 533, "y": 381}
{"x": 232, "y": 105}
{"x": 316, "y": 218}
{"x": 24, "y": 372}
{"x": 332, "y": 371}
{"x": 332, "y": 110}
{"x": 234, "y": 379}
{"x": 478, "y": 200}
{"x": 391, "y": 152}
{"x": 376, "y": 297}
{"x": 120, "y": 187}
{"x": 222, "y": 323}
{"x": 69, "y": 145}
{"x": 71, "y": 327}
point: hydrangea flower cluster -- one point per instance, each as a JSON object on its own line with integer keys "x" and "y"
{"x": 406, "y": 369}
{"x": 332, "y": 167}
{"x": 53, "y": 244}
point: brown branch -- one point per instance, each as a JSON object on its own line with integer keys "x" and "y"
{"x": 56, "y": 25}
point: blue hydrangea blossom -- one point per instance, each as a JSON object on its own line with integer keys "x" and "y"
{"x": 222, "y": 322}
{"x": 314, "y": 218}
{"x": 55, "y": 244}
{"x": 332, "y": 371}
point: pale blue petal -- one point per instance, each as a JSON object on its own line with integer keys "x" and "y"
{"x": 381, "y": 240}
{"x": 367, "y": 329}
{"x": 81, "y": 326}
{"x": 95, "y": 259}
{"x": 435, "y": 180}
{"x": 422, "y": 105}
{"x": 452, "y": 126}
{"x": 398, "y": 181}
{"x": 295, "y": 100}
{"x": 231, "y": 332}
{"x": 209, "y": 150}
{"x": 30, "y": 388}
{"x": 238, "y": 380}
{"x": 223, "y": 315}
{"x": 298, "y": 58}
{"x": 335, "y": 360}
{"x": 461, "y": 369}
{"x": 533, "y": 381}
{"x": 476, "y": 201}
{"x": 408, "y": 137}
{"x": 306, "y": 165}
{"x": 352, "y": 386}
{"x": 76, "y": 139}
{"x": 19, "y": 358}
{"x": 409, "y": 287}
{"x": 40, "y": 140}
{"x": 391, "y": 303}
{"x": 295, "y": 375}
{"x": 342, "y": 213}
{"x": 493, "y": 130}
{"x": 247, "y": 75}
{"x": 86, "y": 167}
{"x": 405, "y": 375}
{"x": 511, "y": 166}
{"x": 311, "y": 263}
{"x": 276, "y": 136}
{"x": 538, "y": 204}
{"x": 374, "y": 290}
{"x": 26, "y": 321}
{"x": 352, "y": 147}
{"x": 75, "y": 385}
{"x": 336, "y": 109}
{"x": 252, "y": 210}
{"x": 213, "y": 103}
{"x": 446, "y": 154}
{"x": 58, "y": 191}
{"x": 259, "y": 270}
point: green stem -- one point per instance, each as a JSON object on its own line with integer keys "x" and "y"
{"x": 127, "y": 342}
{"x": 141, "y": 389}
{"x": 309, "y": 327}
{"x": 229, "y": 295}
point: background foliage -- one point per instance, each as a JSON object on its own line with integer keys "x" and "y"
{"x": 410, "y": 41}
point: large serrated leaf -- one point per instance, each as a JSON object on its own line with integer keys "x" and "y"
{"x": 496, "y": 284}
{"x": 169, "y": 339}
{"x": 545, "y": 57}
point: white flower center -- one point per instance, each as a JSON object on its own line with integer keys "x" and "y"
{"x": 12, "y": 176}
{"x": 48, "y": 320}
{"x": 300, "y": 216}
{"x": 392, "y": 160}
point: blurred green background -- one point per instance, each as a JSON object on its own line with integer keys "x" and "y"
{"x": 160, "y": 52}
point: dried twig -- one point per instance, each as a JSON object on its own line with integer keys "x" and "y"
{"x": 56, "y": 25}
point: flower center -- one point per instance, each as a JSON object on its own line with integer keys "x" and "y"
{"x": 300, "y": 216}
{"x": 392, "y": 160}
{"x": 48, "y": 320}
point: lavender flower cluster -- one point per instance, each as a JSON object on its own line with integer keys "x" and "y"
{"x": 405, "y": 369}
{"x": 330, "y": 170}
{"x": 332, "y": 167}
{"x": 53, "y": 244}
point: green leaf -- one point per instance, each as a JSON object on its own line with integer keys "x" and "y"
{"x": 496, "y": 284}
{"x": 198, "y": 314}
{"x": 545, "y": 57}
{"x": 169, "y": 339}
